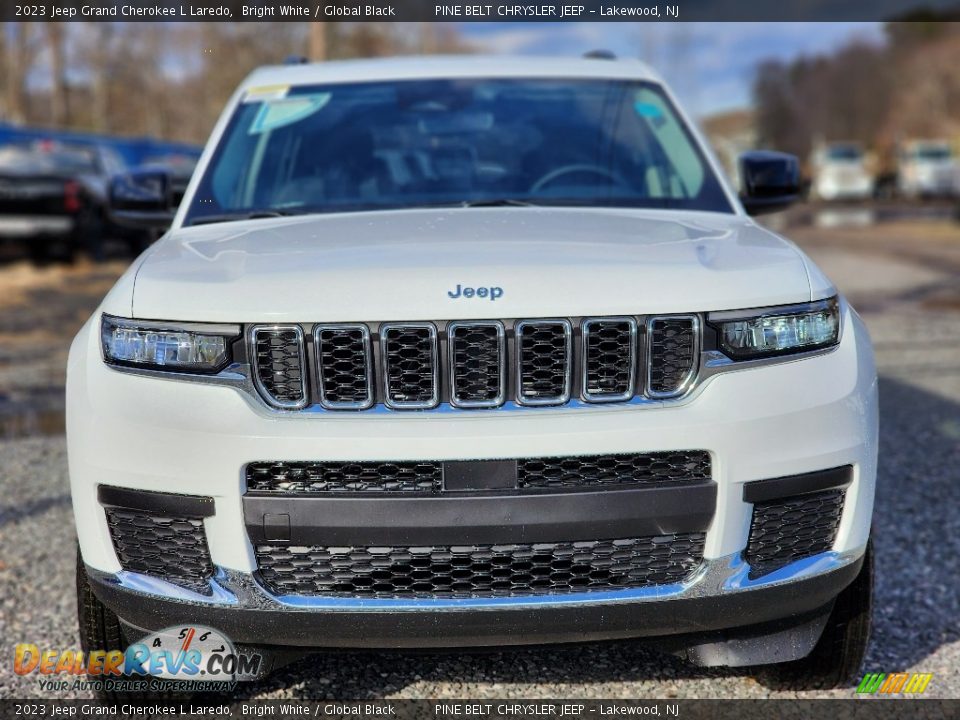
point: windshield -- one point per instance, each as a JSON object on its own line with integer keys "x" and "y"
{"x": 847, "y": 153}
{"x": 932, "y": 152}
{"x": 432, "y": 143}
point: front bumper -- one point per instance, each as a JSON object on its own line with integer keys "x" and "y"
{"x": 717, "y": 603}
{"x": 831, "y": 188}
{"x": 159, "y": 435}
{"x": 30, "y": 226}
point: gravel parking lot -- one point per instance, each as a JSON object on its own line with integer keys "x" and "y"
{"x": 904, "y": 277}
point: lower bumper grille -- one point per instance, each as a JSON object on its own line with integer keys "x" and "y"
{"x": 590, "y": 471}
{"x": 792, "y": 528}
{"x": 583, "y": 472}
{"x": 162, "y": 546}
{"x": 480, "y": 570}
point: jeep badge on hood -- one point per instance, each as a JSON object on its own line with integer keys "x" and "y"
{"x": 481, "y": 292}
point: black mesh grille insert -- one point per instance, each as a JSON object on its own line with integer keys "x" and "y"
{"x": 343, "y": 358}
{"x": 544, "y": 361}
{"x": 672, "y": 353}
{"x": 793, "y": 528}
{"x": 319, "y": 477}
{"x": 279, "y": 365}
{"x": 477, "y": 364}
{"x": 410, "y": 354}
{"x": 609, "y": 355}
{"x": 647, "y": 469}
{"x": 480, "y": 570}
{"x": 574, "y": 472}
{"x": 170, "y": 548}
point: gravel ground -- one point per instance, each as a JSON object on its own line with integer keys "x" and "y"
{"x": 906, "y": 282}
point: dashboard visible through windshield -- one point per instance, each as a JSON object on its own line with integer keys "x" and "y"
{"x": 463, "y": 142}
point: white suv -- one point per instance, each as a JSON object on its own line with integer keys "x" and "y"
{"x": 475, "y": 352}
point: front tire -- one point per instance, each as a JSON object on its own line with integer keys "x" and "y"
{"x": 100, "y": 629}
{"x": 838, "y": 656}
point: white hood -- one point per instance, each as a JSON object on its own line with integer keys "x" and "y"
{"x": 403, "y": 265}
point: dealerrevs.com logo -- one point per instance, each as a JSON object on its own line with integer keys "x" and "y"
{"x": 894, "y": 683}
{"x": 196, "y": 656}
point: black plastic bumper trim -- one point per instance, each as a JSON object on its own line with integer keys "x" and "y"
{"x": 490, "y": 626}
{"x": 776, "y": 488}
{"x": 484, "y": 519}
{"x": 156, "y": 502}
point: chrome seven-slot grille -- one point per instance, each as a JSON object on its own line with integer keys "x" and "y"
{"x": 474, "y": 364}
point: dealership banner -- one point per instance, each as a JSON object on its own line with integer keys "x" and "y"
{"x": 475, "y": 10}
{"x": 509, "y": 709}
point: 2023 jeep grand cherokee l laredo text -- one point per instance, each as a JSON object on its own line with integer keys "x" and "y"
{"x": 476, "y": 352}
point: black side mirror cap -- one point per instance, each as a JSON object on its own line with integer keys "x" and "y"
{"x": 769, "y": 181}
{"x": 142, "y": 199}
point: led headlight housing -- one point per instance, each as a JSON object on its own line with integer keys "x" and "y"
{"x": 173, "y": 347}
{"x": 784, "y": 330}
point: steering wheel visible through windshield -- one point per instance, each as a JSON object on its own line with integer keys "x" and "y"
{"x": 435, "y": 143}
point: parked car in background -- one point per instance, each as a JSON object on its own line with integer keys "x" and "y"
{"x": 176, "y": 170}
{"x": 53, "y": 197}
{"x": 179, "y": 167}
{"x": 840, "y": 172}
{"x": 927, "y": 168}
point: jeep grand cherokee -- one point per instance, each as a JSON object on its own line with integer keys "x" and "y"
{"x": 474, "y": 352}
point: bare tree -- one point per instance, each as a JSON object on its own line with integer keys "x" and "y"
{"x": 21, "y": 54}
{"x": 171, "y": 80}
{"x": 843, "y": 96}
{"x": 100, "y": 66}
{"x": 59, "y": 97}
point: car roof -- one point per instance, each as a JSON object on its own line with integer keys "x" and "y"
{"x": 448, "y": 66}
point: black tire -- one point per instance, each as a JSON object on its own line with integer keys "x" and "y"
{"x": 39, "y": 251}
{"x": 90, "y": 235}
{"x": 100, "y": 629}
{"x": 838, "y": 656}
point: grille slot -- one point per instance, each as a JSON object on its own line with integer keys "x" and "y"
{"x": 279, "y": 365}
{"x": 544, "y": 354}
{"x": 410, "y": 367}
{"x": 345, "y": 373}
{"x": 295, "y": 478}
{"x": 170, "y": 548}
{"x": 480, "y": 570}
{"x": 672, "y": 354}
{"x": 477, "y": 364}
{"x": 572, "y": 472}
{"x": 609, "y": 359}
{"x": 792, "y": 528}
{"x": 688, "y": 466}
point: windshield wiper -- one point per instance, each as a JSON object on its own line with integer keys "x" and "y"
{"x": 497, "y": 202}
{"x": 244, "y": 215}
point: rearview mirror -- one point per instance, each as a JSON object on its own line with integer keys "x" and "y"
{"x": 769, "y": 181}
{"x": 142, "y": 199}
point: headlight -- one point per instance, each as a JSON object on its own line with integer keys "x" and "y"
{"x": 778, "y": 331}
{"x": 177, "y": 347}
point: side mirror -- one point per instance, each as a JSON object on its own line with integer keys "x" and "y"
{"x": 142, "y": 199}
{"x": 769, "y": 181}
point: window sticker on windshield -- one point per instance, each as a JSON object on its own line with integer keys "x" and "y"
{"x": 652, "y": 112}
{"x": 286, "y": 111}
{"x": 647, "y": 110}
{"x": 265, "y": 92}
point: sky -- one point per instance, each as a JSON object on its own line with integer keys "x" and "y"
{"x": 710, "y": 66}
